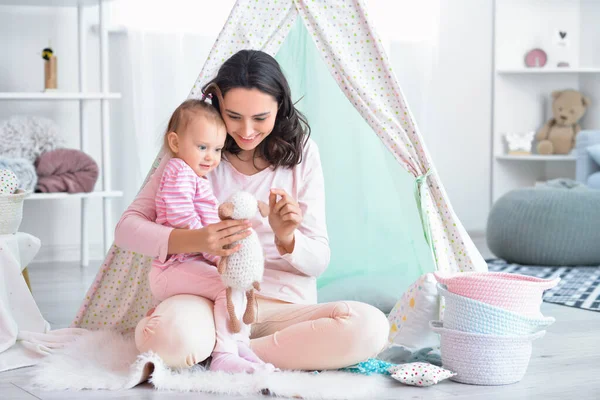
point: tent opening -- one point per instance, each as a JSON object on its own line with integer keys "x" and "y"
{"x": 376, "y": 237}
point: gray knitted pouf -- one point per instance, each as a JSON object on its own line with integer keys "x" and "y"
{"x": 546, "y": 226}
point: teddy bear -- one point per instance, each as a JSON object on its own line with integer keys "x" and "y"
{"x": 243, "y": 270}
{"x": 557, "y": 136}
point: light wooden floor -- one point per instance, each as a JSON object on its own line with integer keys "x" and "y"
{"x": 565, "y": 364}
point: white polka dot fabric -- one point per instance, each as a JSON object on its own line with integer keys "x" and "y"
{"x": 347, "y": 41}
{"x": 120, "y": 295}
{"x": 9, "y": 182}
{"x": 252, "y": 24}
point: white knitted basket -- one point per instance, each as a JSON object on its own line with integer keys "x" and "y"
{"x": 484, "y": 359}
{"x": 468, "y": 315}
{"x": 11, "y": 211}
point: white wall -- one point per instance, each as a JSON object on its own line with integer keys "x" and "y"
{"x": 454, "y": 113}
{"x": 590, "y": 57}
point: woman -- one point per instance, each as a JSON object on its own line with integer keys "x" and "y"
{"x": 269, "y": 154}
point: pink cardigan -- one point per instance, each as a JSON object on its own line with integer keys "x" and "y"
{"x": 291, "y": 277}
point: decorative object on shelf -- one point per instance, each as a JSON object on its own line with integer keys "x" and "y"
{"x": 23, "y": 169}
{"x": 66, "y": 170}
{"x": 28, "y": 137}
{"x": 50, "y": 74}
{"x": 557, "y": 136}
{"x": 563, "y": 183}
{"x": 519, "y": 143}
{"x": 562, "y": 43}
{"x": 536, "y": 58}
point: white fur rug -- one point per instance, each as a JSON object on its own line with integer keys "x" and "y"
{"x": 108, "y": 360}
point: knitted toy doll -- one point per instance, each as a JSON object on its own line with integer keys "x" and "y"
{"x": 243, "y": 270}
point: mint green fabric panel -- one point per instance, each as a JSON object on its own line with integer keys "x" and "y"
{"x": 373, "y": 224}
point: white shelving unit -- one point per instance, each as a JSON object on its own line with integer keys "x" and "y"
{"x": 86, "y": 99}
{"x": 58, "y": 96}
{"x": 544, "y": 71}
{"x": 91, "y": 195}
{"x": 522, "y": 95}
{"x": 50, "y": 3}
{"x": 536, "y": 157}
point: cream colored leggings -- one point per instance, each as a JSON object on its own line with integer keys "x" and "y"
{"x": 290, "y": 336}
{"x": 317, "y": 337}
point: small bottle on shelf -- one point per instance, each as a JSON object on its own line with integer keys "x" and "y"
{"x": 50, "y": 73}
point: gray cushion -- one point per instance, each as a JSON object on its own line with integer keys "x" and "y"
{"x": 546, "y": 226}
{"x": 594, "y": 180}
{"x": 594, "y": 152}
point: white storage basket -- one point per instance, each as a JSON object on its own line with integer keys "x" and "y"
{"x": 484, "y": 359}
{"x": 11, "y": 211}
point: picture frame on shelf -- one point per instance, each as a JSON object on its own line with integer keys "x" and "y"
{"x": 562, "y": 42}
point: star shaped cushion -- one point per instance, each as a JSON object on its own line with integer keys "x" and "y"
{"x": 419, "y": 374}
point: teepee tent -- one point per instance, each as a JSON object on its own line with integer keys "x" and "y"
{"x": 389, "y": 218}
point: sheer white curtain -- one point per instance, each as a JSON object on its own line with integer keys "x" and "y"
{"x": 157, "y": 51}
{"x": 410, "y": 31}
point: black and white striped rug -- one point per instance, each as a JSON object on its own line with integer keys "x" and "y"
{"x": 579, "y": 286}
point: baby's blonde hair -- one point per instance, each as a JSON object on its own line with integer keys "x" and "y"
{"x": 182, "y": 114}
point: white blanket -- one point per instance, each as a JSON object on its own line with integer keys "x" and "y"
{"x": 109, "y": 360}
{"x": 19, "y": 314}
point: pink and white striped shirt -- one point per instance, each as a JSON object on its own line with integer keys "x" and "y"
{"x": 288, "y": 277}
{"x": 185, "y": 200}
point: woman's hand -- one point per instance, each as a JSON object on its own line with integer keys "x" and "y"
{"x": 214, "y": 239}
{"x": 285, "y": 217}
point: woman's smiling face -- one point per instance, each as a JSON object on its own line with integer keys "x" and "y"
{"x": 249, "y": 115}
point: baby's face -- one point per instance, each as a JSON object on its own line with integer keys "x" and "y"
{"x": 201, "y": 144}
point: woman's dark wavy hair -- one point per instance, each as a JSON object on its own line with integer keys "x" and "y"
{"x": 254, "y": 69}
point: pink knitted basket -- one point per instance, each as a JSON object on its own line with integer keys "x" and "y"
{"x": 518, "y": 293}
